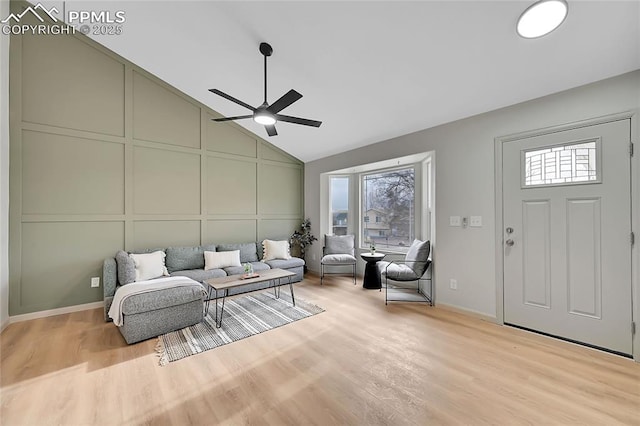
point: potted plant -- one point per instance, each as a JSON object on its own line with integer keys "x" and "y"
{"x": 303, "y": 238}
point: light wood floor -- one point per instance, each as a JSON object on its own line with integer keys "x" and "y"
{"x": 360, "y": 362}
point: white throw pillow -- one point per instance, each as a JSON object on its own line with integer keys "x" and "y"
{"x": 221, "y": 259}
{"x": 275, "y": 250}
{"x": 149, "y": 265}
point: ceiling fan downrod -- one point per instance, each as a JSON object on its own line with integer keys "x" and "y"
{"x": 266, "y": 50}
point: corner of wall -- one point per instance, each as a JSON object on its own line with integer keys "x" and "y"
{"x": 4, "y": 173}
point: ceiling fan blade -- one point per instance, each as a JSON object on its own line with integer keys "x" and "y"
{"x": 271, "y": 130}
{"x": 232, "y": 99}
{"x": 238, "y": 117}
{"x": 287, "y": 99}
{"x": 297, "y": 120}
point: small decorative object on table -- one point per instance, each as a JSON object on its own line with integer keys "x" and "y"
{"x": 248, "y": 271}
{"x": 372, "y": 247}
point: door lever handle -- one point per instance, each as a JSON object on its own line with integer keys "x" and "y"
{"x": 509, "y": 242}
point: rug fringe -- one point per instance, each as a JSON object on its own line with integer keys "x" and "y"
{"x": 161, "y": 353}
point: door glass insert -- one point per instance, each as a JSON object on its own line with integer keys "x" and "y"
{"x": 568, "y": 164}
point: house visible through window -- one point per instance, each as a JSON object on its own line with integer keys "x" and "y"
{"x": 388, "y": 204}
{"x": 339, "y": 188}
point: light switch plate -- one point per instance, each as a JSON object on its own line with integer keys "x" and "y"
{"x": 454, "y": 221}
{"x": 475, "y": 221}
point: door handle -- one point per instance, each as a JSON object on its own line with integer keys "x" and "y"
{"x": 509, "y": 242}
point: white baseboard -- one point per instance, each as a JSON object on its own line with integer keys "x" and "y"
{"x": 4, "y": 325}
{"x": 52, "y": 312}
{"x": 465, "y": 311}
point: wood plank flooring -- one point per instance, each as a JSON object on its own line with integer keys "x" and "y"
{"x": 358, "y": 363}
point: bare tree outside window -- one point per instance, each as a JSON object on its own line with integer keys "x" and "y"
{"x": 389, "y": 209}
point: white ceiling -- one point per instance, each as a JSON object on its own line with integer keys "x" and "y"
{"x": 370, "y": 70}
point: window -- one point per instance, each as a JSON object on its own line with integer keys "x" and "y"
{"x": 339, "y": 188}
{"x": 562, "y": 165}
{"x": 389, "y": 198}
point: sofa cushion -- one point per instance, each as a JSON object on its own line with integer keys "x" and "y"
{"x": 338, "y": 259}
{"x": 257, "y": 267}
{"x": 200, "y": 275}
{"x": 248, "y": 252}
{"x": 126, "y": 268}
{"x": 149, "y": 265}
{"x": 339, "y": 244}
{"x": 397, "y": 271}
{"x": 285, "y": 264}
{"x": 154, "y": 300}
{"x": 181, "y": 258}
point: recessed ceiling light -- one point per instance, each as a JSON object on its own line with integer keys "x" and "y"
{"x": 542, "y": 17}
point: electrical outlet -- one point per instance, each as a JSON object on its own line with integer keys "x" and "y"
{"x": 454, "y": 221}
{"x": 95, "y": 282}
{"x": 475, "y": 221}
{"x": 453, "y": 284}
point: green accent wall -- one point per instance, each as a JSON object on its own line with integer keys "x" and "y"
{"x": 104, "y": 156}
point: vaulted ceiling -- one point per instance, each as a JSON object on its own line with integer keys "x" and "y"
{"x": 371, "y": 70}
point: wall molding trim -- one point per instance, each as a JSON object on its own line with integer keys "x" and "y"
{"x": 469, "y": 312}
{"x": 53, "y": 312}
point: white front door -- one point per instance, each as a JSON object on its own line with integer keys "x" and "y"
{"x": 567, "y": 233}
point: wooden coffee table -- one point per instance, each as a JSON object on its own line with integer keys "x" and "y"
{"x": 223, "y": 284}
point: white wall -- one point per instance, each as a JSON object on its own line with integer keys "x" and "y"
{"x": 4, "y": 172}
{"x": 465, "y": 179}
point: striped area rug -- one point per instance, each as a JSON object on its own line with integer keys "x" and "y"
{"x": 244, "y": 316}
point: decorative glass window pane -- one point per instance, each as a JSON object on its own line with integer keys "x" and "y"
{"x": 562, "y": 165}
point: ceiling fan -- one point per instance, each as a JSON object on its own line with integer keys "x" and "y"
{"x": 268, "y": 114}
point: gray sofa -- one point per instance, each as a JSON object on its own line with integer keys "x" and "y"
{"x": 151, "y": 314}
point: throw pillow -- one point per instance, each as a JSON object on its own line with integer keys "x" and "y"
{"x": 417, "y": 256}
{"x": 149, "y": 265}
{"x": 275, "y": 250}
{"x": 126, "y": 268}
{"x": 339, "y": 244}
{"x": 221, "y": 259}
{"x": 183, "y": 258}
{"x": 247, "y": 251}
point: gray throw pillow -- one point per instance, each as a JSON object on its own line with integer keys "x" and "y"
{"x": 126, "y": 268}
{"x": 248, "y": 252}
{"x": 417, "y": 256}
{"x": 339, "y": 244}
{"x": 184, "y": 258}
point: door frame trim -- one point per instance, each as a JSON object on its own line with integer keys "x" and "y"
{"x": 499, "y": 142}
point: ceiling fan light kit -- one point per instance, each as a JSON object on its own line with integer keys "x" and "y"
{"x": 264, "y": 118}
{"x": 266, "y": 114}
{"x": 541, "y": 18}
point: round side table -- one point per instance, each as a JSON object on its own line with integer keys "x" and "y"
{"x": 371, "y": 274}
